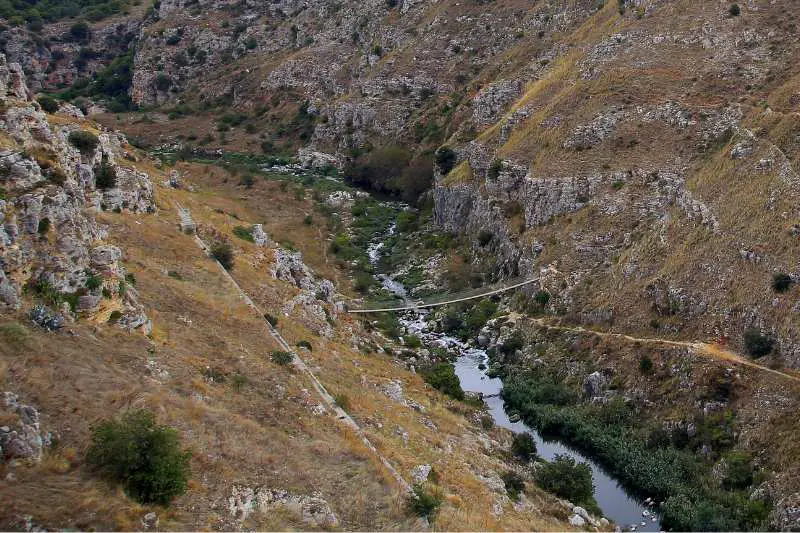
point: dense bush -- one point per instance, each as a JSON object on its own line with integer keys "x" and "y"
{"x": 663, "y": 466}
{"x": 567, "y": 479}
{"x": 85, "y": 141}
{"x": 144, "y": 457}
{"x": 281, "y": 358}
{"x": 425, "y": 501}
{"x": 734, "y": 10}
{"x": 392, "y": 170}
{"x": 513, "y": 343}
{"x": 523, "y": 446}
{"x": 223, "y": 252}
{"x": 756, "y": 344}
{"x": 105, "y": 176}
{"x": 48, "y": 103}
{"x": 305, "y": 344}
{"x": 781, "y": 281}
{"x": 443, "y": 378}
{"x": 243, "y": 233}
{"x": 484, "y": 237}
{"x": 445, "y": 159}
{"x": 514, "y": 484}
{"x": 645, "y": 364}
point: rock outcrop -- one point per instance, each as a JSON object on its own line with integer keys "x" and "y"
{"x": 50, "y": 238}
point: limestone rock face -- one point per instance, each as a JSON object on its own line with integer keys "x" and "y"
{"x": 23, "y": 439}
{"x": 48, "y": 233}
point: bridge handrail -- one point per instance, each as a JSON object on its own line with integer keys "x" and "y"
{"x": 449, "y": 299}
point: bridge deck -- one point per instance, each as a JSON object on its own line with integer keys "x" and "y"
{"x": 454, "y": 298}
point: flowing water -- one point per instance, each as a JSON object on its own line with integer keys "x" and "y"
{"x": 617, "y": 505}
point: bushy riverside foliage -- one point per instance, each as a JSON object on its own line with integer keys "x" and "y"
{"x": 394, "y": 171}
{"x": 442, "y": 377}
{"x": 664, "y": 467}
{"x": 569, "y": 480}
{"x": 466, "y": 320}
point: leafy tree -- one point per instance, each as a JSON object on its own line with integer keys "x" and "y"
{"x": 523, "y": 446}
{"x": 567, "y": 479}
{"x": 443, "y": 378}
{"x": 645, "y": 364}
{"x": 144, "y": 457}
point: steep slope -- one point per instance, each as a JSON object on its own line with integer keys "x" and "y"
{"x": 125, "y": 311}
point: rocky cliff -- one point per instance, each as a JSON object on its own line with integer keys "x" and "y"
{"x": 56, "y": 172}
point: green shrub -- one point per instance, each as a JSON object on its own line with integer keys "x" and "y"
{"x": 485, "y": 237}
{"x": 105, "y": 177}
{"x": 282, "y": 358}
{"x": 412, "y": 341}
{"x": 514, "y": 484}
{"x": 162, "y": 82}
{"x": 247, "y": 181}
{"x": 566, "y": 479}
{"x": 739, "y": 474}
{"x": 48, "y": 103}
{"x": 223, "y": 252}
{"x": 425, "y": 502}
{"x": 487, "y": 422}
{"x": 542, "y": 298}
{"x": 273, "y": 320}
{"x": 305, "y": 344}
{"x": 44, "y": 226}
{"x": 363, "y": 282}
{"x": 14, "y": 334}
{"x": 645, "y": 364}
{"x": 243, "y": 233}
{"x": 523, "y": 446}
{"x": 114, "y": 317}
{"x": 94, "y": 282}
{"x": 494, "y": 171}
{"x": 781, "y": 281}
{"x": 238, "y": 381}
{"x": 142, "y": 456}
{"x": 308, "y": 220}
{"x": 84, "y": 141}
{"x": 79, "y": 31}
{"x": 512, "y": 343}
{"x": 442, "y": 377}
{"x": 734, "y": 10}
{"x": 756, "y": 344}
{"x": 445, "y": 159}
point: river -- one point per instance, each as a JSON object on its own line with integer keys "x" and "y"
{"x": 628, "y": 512}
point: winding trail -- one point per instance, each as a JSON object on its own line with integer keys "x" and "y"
{"x": 341, "y": 415}
{"x": 703, "y": 349}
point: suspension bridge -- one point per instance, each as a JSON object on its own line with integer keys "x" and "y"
{"x": 399, "y": 304}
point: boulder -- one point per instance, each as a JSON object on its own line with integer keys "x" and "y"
{"x": 577, "y": 521}
{"x": 594, "y": 384}
{"x": 419, "y": 473}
